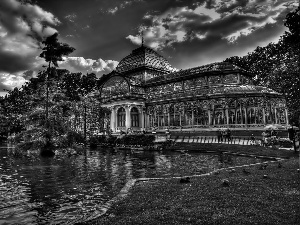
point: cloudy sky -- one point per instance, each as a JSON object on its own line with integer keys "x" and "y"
{"x": 188, "y": 33}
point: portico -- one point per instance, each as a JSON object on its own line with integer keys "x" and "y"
{"x": 126, "y": 115}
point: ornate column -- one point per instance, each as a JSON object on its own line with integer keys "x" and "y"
{"x": 113, "y": 119}
{"x": 264, "y": 115}
{"x": 209, "y": 117}
{"x": 180, "y": 114}
{"x": 275, "y": 116}
{"x": 193, "y": 117}
{"x": 147, "y": 125}
{"x": 227, "y": 116}
{"x": 246, "y": 116}
{"x": 128, "y": 119}
{"x": 213, "y": 115}
{"x": 142, "y": 119}
{"x": 286, "y": 116}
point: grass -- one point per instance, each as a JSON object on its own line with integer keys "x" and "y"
{"x": 241, "y": 149}
{"x": 250, "y": 198}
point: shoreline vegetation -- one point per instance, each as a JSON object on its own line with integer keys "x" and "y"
{"x": 266, "y": 193}
{"x": 73, "y": 143}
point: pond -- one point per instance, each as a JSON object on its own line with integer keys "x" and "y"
{"x": 56, "y": 191}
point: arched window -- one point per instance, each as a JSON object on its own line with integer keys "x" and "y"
{"x": 121, "y": 117}
{"x": 134, "y": 115}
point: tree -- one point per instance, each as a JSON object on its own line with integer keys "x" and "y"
{"x": 53, "y": 51}
{"x": 277, "y": 65}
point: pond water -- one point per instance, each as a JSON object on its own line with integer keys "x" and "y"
{"x": 57, "y": 191}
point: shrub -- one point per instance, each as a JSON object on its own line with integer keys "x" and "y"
{"x": 94, "y": 141}
{"x": 18, "y": 138}
{"x": 74, "y": 137}
{"x": 38, "y": 144}
{"x": 61, "y": 141}
{"x": 24, "y": 146}
{"x": 286, "y": 143}
{"x": 111, "y": 140}
{"x": 101, "y": 139}
{"x": 140, "y": 139}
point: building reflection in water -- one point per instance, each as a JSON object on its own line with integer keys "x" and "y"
{"x": 59, "y": 190}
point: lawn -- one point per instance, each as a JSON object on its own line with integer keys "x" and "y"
{"x": 255, "y": 196}
{"x": 241, "y": 149}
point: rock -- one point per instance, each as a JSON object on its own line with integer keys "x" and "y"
{"x": 225, "y": 183}
{"x": 216, "y": 172}
{"x": 232, "y": 171}
{"x": 266, "y": 176}
{"x": 185, "y": 180}
{"x": 263, "y": 166}
{"x": 246, "y": 171}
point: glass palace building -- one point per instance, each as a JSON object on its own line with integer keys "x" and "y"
{"x": 145, "y": 92}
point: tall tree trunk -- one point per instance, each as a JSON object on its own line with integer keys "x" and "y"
{"x": 84, "y": 123}
{"x": 47, "y": 94}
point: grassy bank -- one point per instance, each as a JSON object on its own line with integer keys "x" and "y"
{"x": 242, "y": 149}
{"x": 250, "y": 198}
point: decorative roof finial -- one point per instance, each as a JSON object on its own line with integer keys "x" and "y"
{"x": 142, "y": 34}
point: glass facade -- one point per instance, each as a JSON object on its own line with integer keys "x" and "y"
{"x": 146, "y": 92}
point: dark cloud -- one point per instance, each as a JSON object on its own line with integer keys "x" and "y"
{"x": 214, "y": 49}
{"x": 224, "y": 26}
{"x": 11, "y": 62}
{"x": 160, "y": 6}
{"x": 21, "y": 25}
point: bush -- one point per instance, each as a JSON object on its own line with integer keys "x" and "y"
{"x": 141, "y": 139}
{"x": 111, "y": 140}
{"x": 101, "y": 139}
{"x": 74, "y": 138}
{"x": 61, "y": 141}
{"x": 94, "y": 142}
{"x": 18, "y": 138}
{"x": 285, "y": 143}
{"x": 36, "y": 145}
{"x": 24, "y": 146}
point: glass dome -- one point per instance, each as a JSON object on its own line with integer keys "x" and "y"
{"x": 115, "y": 86}
{"x": 144, "y": 57}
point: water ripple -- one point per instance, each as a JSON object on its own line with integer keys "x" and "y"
{"x": 57, "y": 191}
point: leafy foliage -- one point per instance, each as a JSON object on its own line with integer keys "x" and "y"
{"x": 47, "y": 111}
{"x": 277, "y": 65}
{"x": 53, "y": 51}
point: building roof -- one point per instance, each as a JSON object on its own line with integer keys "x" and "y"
{"x": 144, "y": 57}
{"x": 247, "y": 89}
{"x": 215, "y": 92}
{"x": 212, "y": 69}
